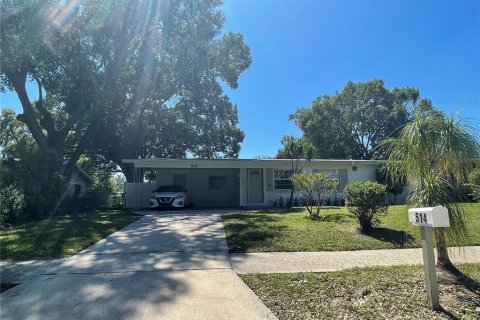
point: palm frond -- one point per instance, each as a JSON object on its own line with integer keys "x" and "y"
{"x": 435, "y": 153}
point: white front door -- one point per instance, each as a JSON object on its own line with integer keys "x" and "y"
{"x": 255, "y": 186}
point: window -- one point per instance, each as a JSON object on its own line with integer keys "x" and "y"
{"x": 331, "y": 173}
{"x": 334, "y": 175}
{"x": 281, "y": 179}
{"x": 77, "y": 189}
{"x": 217, "y": 182}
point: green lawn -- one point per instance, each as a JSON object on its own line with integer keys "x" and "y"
{"x": 61, "y": 236}
{"x": 365, "y": 293}
{"x": 292, "y": 230}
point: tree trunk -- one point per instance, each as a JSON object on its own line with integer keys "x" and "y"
{"x": 127, "y": 170}
{"x": 443, "y": 260}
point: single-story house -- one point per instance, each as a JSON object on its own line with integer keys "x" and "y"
{"x": 77, "y": 185}
{"x": 237, "y": 182}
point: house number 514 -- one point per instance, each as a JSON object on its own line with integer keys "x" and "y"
{"x": 421, "y": 217}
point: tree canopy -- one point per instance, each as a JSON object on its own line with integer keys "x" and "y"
{"x": 124, "y": 79}
{"x": 315, "y": 185}
{"x": 351, "y": 123}
{"x": 299, "y": 151}
{"x": 13, "y": 134}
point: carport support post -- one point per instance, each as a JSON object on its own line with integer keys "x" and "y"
{"x": 429, "y": 267}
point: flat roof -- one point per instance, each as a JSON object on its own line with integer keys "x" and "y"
{"x": 236, "y": 163}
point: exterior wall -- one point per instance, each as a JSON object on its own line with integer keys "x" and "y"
{"x": 137, "y": 194}
{"x": 362, "y": 174}
{"x": 271, "y": 195}
{"x": 76, "y": 180}
{"x": 235, "y": 192}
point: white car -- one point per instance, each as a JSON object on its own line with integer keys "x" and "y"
{"x": 169, "y": 197}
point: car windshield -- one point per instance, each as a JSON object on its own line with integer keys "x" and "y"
{"x": 170, "y": 189}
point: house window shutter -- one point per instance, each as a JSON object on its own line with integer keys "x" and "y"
{"x": 269, "y": 179}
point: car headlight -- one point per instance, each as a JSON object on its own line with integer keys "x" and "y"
{"x": 179, "y": 196}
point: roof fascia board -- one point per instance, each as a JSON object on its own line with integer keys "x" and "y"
{"x": 243, "y": 163}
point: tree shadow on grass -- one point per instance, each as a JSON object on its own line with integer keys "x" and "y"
{"x": 395, "y": 237}
{"x": 448, "y": 314}
{"x": 247, "y": 231}
{"x": 457, "y": 277}
{"x": 328, "y": 218}
{"x": 331, "y": 208}
{"x": 281, "y": 210}
{"x": 62, "y": 235}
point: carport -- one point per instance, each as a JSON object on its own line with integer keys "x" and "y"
{"x": 207, "y": 188}
{"x": 207, "y": 184}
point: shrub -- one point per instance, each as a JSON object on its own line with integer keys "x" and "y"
{"x": 314, "y": 185}
{"x": 474, "y": 184}
{"x": 43, "y": 193}
{"x": 393, "y": 178}
{"x": 38, "y": 177}
{"x": 72, "y": 204}
{"x": 366, "y": 201}
{"x": 95, "y": 197}
{"x": 12, "y": 204}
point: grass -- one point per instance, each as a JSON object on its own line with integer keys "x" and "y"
{"x": 62, "y": 236}
{"x": 365, "y": 293}
{"x": 291, "y": 230}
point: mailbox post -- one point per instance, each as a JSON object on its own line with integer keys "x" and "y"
{"x": 427, "y": 219}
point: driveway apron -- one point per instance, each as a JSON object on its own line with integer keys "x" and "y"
{"x": 167, "y": 265}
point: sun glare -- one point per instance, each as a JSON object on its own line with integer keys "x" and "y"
{"x": 62, "y": 16}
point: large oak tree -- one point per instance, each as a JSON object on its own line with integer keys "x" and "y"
{"x": 350, "y": 124}
{"x": 124, "y": 78}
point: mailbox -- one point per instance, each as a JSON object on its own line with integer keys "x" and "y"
{"x": 429, "y": 217}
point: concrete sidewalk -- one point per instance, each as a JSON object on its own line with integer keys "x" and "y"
{"x": 164, "y": 266}
{"x": 170, "y": 265}
{"x": 289, "y": 262}
{"x": 21, "y": 271}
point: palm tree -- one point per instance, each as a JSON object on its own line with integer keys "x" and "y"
{"x": 436, "y": 152}
{"x": 299, "y": 151}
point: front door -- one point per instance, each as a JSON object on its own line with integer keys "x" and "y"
{"x": 255, "y": 186}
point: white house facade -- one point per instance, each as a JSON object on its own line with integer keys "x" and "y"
{"x": 233, "y": 183}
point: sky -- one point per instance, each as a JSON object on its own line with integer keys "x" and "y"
{"x": 302, "y": 49}
{"x": 305, "y": 48}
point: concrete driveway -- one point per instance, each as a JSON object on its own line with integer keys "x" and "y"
{"x": 167, "y": 265}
